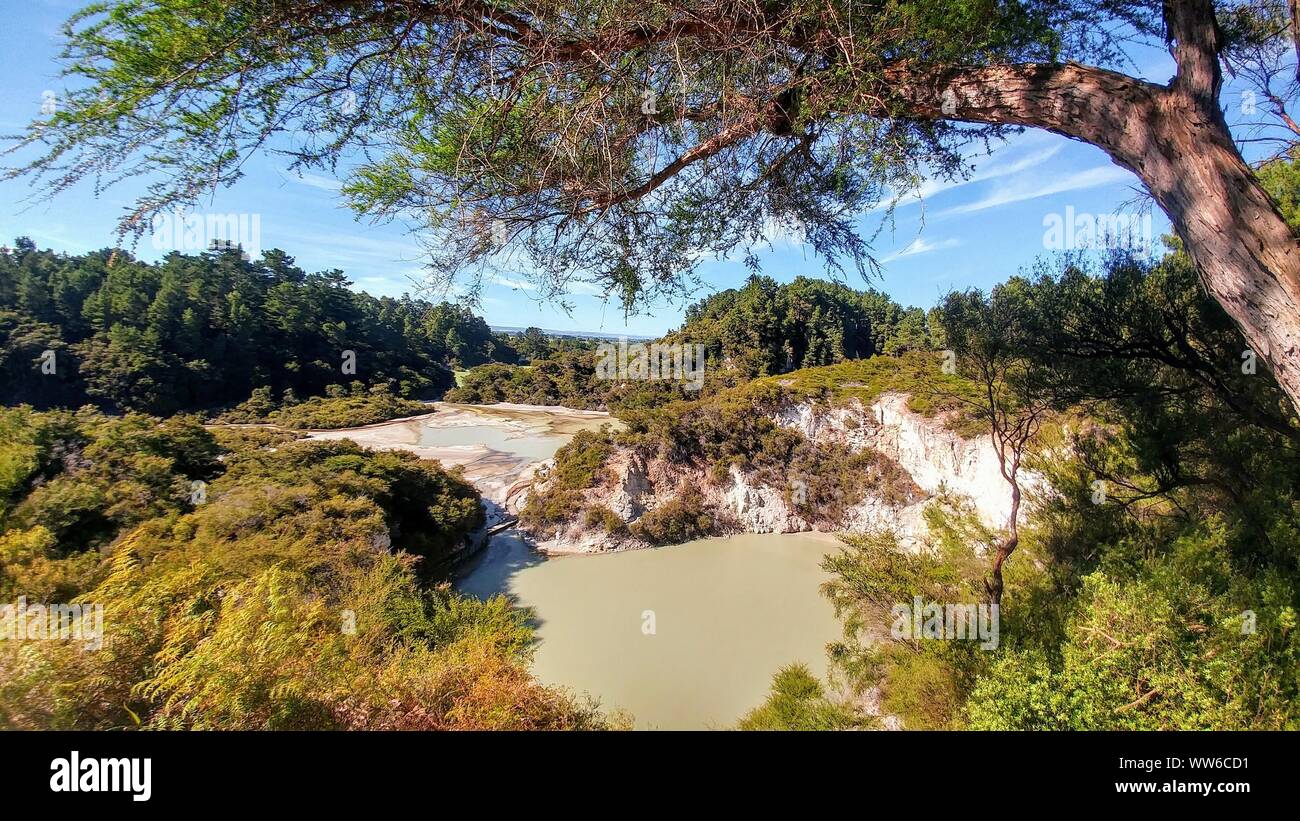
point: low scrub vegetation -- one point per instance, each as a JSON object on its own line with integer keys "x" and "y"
{"x": 337, "y": 409}
{"x": 732, "y": 430}
{"x": 249, "y": 581}
{"x": 578, "y": 465}
{"x": 798, "y": 701}
{"x": 681, "y": 518}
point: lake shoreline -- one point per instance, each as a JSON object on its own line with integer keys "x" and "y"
{"x": 487, "y": 431}
{"x": 699, "y": 627}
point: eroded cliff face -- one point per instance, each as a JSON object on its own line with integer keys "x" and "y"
{"x": 937, "y": 459}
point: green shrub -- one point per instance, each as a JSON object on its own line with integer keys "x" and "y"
{"x": 578, "y": 466}
{"x": 296, "y": 595}
{"x": 680, "y": 519}
{"x": 347, "y": 411}
{"x": 797, "y": 701}
{"x": 258, "y": 407}
{"x": 602, "y": 518}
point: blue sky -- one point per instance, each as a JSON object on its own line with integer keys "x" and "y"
{"x": 971, "y": 233}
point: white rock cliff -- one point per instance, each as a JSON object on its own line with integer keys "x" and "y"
{"x": 938, "y": 460}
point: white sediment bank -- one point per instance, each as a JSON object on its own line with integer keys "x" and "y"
{"x": 498, "y": 446}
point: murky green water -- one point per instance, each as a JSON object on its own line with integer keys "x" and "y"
{"x": 726, "y": 614}
{"x": 680, "y": 637}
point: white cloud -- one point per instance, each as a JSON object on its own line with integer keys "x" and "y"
{"x": 921, "y": 245}
{"x": 1033, "y": 189}
{"x": 345, "y": 246}
{"x": 579, "y": 286}
{"x": 775, "y": 236}
{"x": 1015, "y": 165}
{"x": 318, "y": 181}
{"x": 509, "y": 282}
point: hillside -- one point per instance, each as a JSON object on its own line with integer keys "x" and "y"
{"x": 205, "y": 330}
{"x": 858, "y": 446}
{"x": 741, "y": 334}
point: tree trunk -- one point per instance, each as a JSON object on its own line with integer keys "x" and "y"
{"x": 1174, "y": 137}
{"x": 1008, "y": 546}
{"x": 1293, "y": 11}
{"x": 1176, "y": 141}
{"x": 1248, "y": 256}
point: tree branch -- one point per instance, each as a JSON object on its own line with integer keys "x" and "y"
{"x": 1195, "y": 41}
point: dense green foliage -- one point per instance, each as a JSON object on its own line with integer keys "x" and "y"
{"x": 764, "y": 328}
{"x": 336, "y": 409}
{"x": 1281, "y": 176}
{"x": 76, "y": 483}
{"x": 565, "y": 378}
{"x": 1160, "y": 577}
{"x": 293, "y": 592}
{"x": 760, "y": 329}
{"x": 923, "y": 682}
{"x": 194, "y": 332}
{"x": 680, "y": 519}
{"x": 798, "y": 702}
{"x": 70, "y": 483}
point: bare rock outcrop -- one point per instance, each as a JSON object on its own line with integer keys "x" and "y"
{"x": 938, "y": 460}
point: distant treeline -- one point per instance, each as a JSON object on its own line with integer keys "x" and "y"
{"x": 206, "y": 330}
{"x": 764, "y": 329}
{"x": 211, "y": 330}
{"x": 760, "y": 329}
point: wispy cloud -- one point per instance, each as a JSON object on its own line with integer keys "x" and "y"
{"x": 518, "y": 282}
{"x": 379, "y": 284}
{"x": 317, "y": 181}
{"x": 776, "y": 236}
{"x": 512, "y": 283}
{"x": 345, "y": 247}
{"x": 1033, "y": 189}
{"x": 921, "y": 245}
{"x": 583, "y": 287}
{"x": 994, "y": 170}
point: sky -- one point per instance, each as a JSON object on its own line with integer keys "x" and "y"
{"x": 959, "y": 234}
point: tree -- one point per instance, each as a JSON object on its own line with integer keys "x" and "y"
{"x": 987, "y": 337}
{"x": 622, "y": 140}
{"x": 798, "y": 701}
{"x": 531, "y": 344}
{"x": 764, "y": 328}
{"x": 205, "y": 330}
